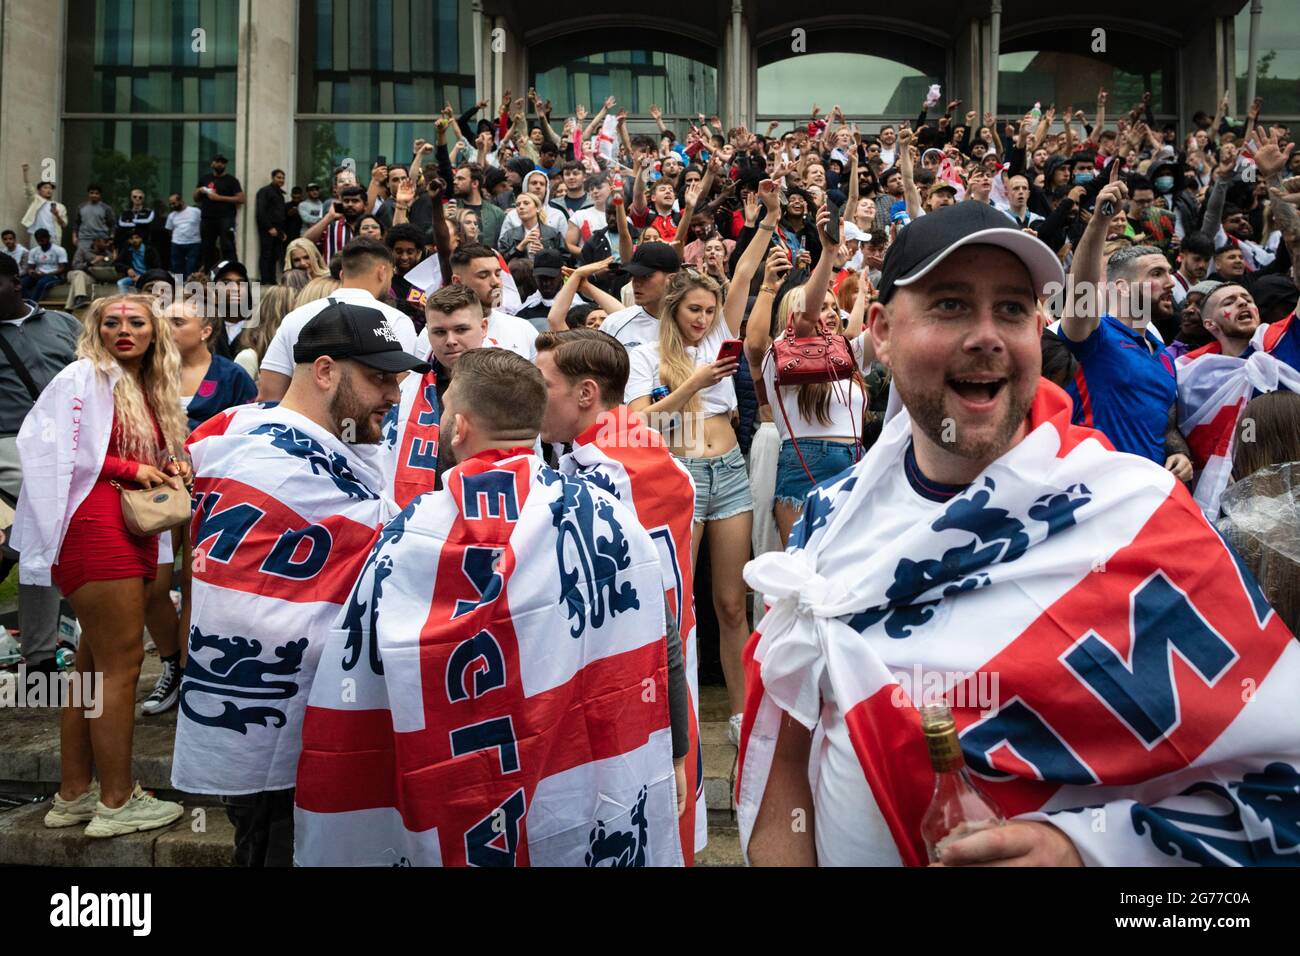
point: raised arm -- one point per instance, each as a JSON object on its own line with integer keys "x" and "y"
{"x": 625, "y": 246}
{"x": 1083, "y": 313}
{"x": 910, "y": 192}
{"x": 564, "y": 298}
{"x": 758, "y": 331}
{"x": 741, "y": 277}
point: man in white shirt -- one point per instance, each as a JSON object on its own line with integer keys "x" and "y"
{"x": 43, "y": 212}
{"x": 9, "y": 246}
{"x": 1017, "y": 204}
{"x": 47, "y": 264}
{"x": 652, "y": 265}
{"x": 187, "y": 243}
{"x": 479, "y": 268}
{"x": 367, "y": 273}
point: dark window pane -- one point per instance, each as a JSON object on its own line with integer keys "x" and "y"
{"x": 139, "y": 56}
{"x": 1060, "y": 68}
{"x": 382, "y": 56}
{"x": 1277, "y": 55}
{"x": 157, "y": 156}
{"x": 682, "y": 86}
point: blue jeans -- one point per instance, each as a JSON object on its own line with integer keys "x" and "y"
{"x": 825, "y": 460}
{"x": 35, "y": 287}
{"x": 721, "y": 485}
{"x": 186, "y": 258}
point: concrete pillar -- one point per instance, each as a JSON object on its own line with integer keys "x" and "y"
{"x": 266, "y": 90}
{"x": 1206, "y": 69}
{"x": 31, "y": 103}
{"x": 967, "y": 69}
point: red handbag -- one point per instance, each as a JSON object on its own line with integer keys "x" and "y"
{"x": 824, "y": 357}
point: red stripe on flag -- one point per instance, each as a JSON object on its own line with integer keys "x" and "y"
{"x": 332, "y": 779}
{"x": 350, "y": 543}
{"x": 1085, "y": 400}
{"x": 1213, "y": 438}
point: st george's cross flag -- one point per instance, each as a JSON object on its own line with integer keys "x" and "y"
{"x": 494, "y": 692}
{"x": 623, "y": 455}
{"x": 409, "y": 442}
{"x": 1145, "y": 689}
{"x": 1214, "y": 388}
{"x": 284, "y": 515}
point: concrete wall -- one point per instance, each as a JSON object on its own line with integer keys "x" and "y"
{"x": 266, "y": 91}
{"x": 31, "y": 88}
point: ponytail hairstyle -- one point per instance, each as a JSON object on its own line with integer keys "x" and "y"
{"x": 675, "y": 364}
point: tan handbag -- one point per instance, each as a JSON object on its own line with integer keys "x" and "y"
{"x": 150, "y": 511}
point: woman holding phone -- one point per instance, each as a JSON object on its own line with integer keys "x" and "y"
{"x": 532, "y": 235}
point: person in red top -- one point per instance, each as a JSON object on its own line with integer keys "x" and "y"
{"x": 661, "y": 214}
{"x": 129, "y": 433}
{"x": 585, "y": 372}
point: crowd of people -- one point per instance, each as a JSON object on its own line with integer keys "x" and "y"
{"x": 861, "y": 372}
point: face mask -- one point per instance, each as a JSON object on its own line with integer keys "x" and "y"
{"x": 1082, "y": 179}
{"x": 1164, "y": 183}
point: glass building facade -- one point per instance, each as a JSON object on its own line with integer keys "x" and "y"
{"x": 1277, "y": 55}
{"x": 362, "y": 58}
{"x": 679, "y": 85}
{"x": 149, "y": 94}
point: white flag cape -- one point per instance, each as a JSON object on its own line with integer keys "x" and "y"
{"x": 495, "y": 691}
{"x": 1213, "y": 389}
{"x": 284, "y": 515}
{"x": 1120, "y": 626}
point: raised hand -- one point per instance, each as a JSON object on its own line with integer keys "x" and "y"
{"x": 405, "y": 194}
{"x": 776, "y": 266}
{"x": 751, "y": 210}
{"x": 970, "y": 117}
{"x": 609, "y": 103}
{"x": 1270, "y": 158}
{"x": 655, "y": 112}
{"x": 769, "y": 194}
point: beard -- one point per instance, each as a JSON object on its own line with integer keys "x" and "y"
{"x": 346, "y": 409}
{"x": 929, "y": 410}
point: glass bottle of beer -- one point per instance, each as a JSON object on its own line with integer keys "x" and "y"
{"x": 958, "y": 808}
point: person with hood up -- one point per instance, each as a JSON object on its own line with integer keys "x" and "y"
{"x": 538, "y": 184}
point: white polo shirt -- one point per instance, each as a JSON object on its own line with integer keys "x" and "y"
{"x": 279, "y": 354}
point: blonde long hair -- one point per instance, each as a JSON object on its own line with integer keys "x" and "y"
{"x": 276, "y": 302}
{"x": 156, "y": 389}
{"x": 675, "y": 364}
{"x": 814, "y": 400}
{"x": 315, "y": 261}
{"x": 322, "y": 287}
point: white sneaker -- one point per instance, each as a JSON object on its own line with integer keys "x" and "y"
{"x": 143, "y": 811}
{"x": 66, "y": 813}
{"x": 733, "y": 730}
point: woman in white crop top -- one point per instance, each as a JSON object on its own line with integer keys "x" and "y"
{"x": 820, "y": 424}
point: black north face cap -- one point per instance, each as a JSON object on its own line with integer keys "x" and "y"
{"x": 343, "y": 330}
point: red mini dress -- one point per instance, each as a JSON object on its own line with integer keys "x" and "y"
{"x": 98, "y": 546}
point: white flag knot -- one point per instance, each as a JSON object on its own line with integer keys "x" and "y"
{"x": 791, "y": 651}
{"x": 788, "y": 582}
{"x": 1262, "y": 371}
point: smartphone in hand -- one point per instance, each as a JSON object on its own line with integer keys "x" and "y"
{"x": 730, "y": 349}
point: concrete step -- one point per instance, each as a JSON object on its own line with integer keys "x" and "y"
{"x": 723, "y": 848}
{"x": 202, "y": 837}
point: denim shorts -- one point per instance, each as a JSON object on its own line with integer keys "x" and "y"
{"x": 721, "y": 485}
{"x": 825, "y": 459}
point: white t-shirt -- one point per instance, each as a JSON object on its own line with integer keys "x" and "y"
{"x": 184, "y": 225}
{"x": 19, "y": 255}
{"x": 848, "y": 401}
{"x": 643, "y": 372}
{"x": 46, "y": 261}
{"x": 279, "y": 354}
{"x": 849, "y": 828}
{"x": 590, "y": 222}
{"x": 632, "y": 327}
{"x": 504, "y": 331}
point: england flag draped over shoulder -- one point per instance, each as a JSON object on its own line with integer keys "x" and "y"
{"x": 1141, "y": 677}
{"x": 409, "y": 444}
{"x": 494, "y": 693}
{"x": 284, "y": 516}
{"x": 1213, "y": 389}
{"x": 623, "y": 455}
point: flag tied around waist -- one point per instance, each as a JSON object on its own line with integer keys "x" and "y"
{"x": 1213, "y": 390}
{"x": 284, "y": 515}
{"x": 1140, "y": 670}
{"x": 494, "y": 693}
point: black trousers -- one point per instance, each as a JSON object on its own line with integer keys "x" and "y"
{"x": 269, "y": 257}
{"x": 263, "y": 827}
{"x": 218, "y": 238}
